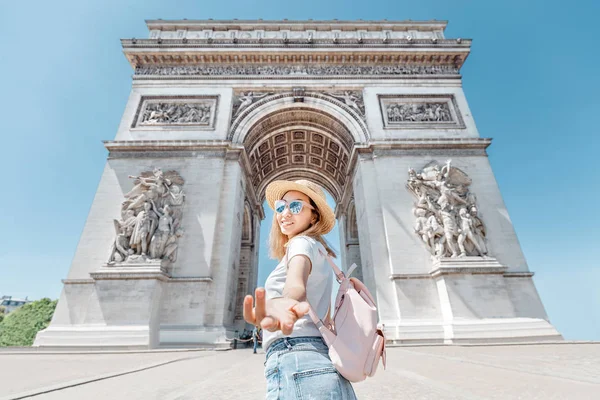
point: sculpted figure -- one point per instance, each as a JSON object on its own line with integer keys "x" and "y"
{"x": 162, "y": 233}
{"x": 246, "y": 100}
{"x": 478, "y": 229}
{"x": 176, "y": 195}
{"x": 450, "y": 228}
{"x": 466, "y": 232}
{"x": 350, "y": 99}
{"x": 170, "y": 252}
{"x": 420, "y": 227}
{"x": 124, "y": 230}
{"x": 435, "y": 232}
{"x": 145, "y": 225}
{"x": 148, "y": 189}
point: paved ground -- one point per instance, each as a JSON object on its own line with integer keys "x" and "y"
{"x": 537, "y": 371}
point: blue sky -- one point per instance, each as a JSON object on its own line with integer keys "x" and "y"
{"x": 531, "y": 82}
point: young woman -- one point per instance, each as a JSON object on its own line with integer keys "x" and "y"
{"x": 297, "y": 364}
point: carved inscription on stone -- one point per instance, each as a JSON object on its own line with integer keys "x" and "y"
{"x": 420, "y": 112}
{"x": 446, "y": 214}
{"x": 149, "y": 227}
{"x": 176, "y": 111}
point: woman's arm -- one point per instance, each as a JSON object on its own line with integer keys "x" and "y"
{"x": 299, "y": 267}
{"x": 281, "y": 313}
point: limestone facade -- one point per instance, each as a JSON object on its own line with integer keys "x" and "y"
{"x": 352, "y": 105}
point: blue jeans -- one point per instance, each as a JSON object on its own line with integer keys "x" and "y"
{"x": 299, "y": 368}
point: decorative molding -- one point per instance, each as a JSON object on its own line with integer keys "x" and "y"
{"x": 165, "y": 145}
{"x": 77, "y": 281}
{"x": 420, "y": 111}
{"x": 204, "y": 279}
{"x": 517, "y": 274}
{"x": 431, "y": 152}
{"x": 250, "y": 25}
{"x": 430, "y": 143}
{"x": 306, "y": 42}
{"x": 394, "y": 277}
{"x": 467, "y": 265}
{"x": 148, "y": 270}
{"x": 185, "y": 279}
{"x": 160, "y": 112}
{"x": 292, "y": 71}
{"x": 459, "y": 266}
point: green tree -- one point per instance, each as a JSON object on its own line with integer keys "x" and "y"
{"x": 20, "y": 326}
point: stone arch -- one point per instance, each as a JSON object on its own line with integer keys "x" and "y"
{"x": 320, "y": 103}
{"x": 247, "y": 225}
{"x": 351, "y": 240}
{"x": 247, "y": 270}
{"x": 310, "y": 139}
{"x": 352, "y": 229}
{"x": 297, "y": 140}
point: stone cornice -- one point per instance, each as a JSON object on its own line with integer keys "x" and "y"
{"x": 297, "y": 43}
{"x": 294, "y": 25}
{"x": 307, "y": 43}
{"x": 205, "y": 279}
{"x": 427, "y": 143}
{"x": 394, "y": 277}
{"x": 167, "y": 145}
{"x": 226, "y": 145}
{"x": 175, "y": 52}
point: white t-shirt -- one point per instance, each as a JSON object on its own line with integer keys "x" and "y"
{"x": 318, "y": 287}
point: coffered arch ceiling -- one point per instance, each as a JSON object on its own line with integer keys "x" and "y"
{"x": 299, "y": 143}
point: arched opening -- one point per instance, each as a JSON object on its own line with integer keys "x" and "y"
{"x": 296, "y": 141}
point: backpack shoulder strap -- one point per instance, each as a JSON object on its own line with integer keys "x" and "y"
{"x": 338, "y": 273}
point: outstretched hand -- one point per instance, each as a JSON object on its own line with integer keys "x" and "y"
{"x": 275, "y": 314}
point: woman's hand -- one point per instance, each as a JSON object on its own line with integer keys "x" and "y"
{"x": 277, "y": 314}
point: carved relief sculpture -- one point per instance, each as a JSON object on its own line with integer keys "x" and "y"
{"x": 427, "y": 111}
{"x": 150, "y": 219}
{"x": 195, "y": 111}
{"x": 446, "y": 214}
{"x": 290, "y": 70}
{"x": 352, "y": 99}
{"x": 418, "y": 112}
{"x": 244, "y": 100}
{"x": 176, "y": 113}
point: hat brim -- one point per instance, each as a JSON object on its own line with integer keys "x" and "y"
{"x": 277, "y": 189}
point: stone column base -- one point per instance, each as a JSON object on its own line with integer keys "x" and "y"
{"x": 491, "y": 330}
{"x": 186, "y": 336}
{"x": 477, "y": 301}
{"x": 124, "y": 306}
{"x": 94, "y": 337}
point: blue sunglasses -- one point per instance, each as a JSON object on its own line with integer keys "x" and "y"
{"x": 294, "y": 205}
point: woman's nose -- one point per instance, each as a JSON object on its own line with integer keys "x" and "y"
{"x": 286, "y": 211}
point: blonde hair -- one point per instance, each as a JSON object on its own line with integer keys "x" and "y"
{"x": 278, "y": 241}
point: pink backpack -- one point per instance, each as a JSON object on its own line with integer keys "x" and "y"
{"x": 355, "y": 338}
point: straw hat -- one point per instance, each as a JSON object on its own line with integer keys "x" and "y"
{"x": 277, "y": 189}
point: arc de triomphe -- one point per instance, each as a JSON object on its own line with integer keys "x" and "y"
{"x": 372, "y": 111}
